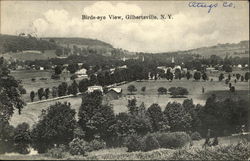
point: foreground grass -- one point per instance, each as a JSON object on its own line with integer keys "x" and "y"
{"x": 237, "y": 151}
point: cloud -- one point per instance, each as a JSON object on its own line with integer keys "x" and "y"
{"x": 185, "y": 31}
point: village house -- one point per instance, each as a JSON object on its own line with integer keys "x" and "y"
{"x": 114, "y": 93}
{"x": 82, "y": 72}
{"x": 94, "y": 88}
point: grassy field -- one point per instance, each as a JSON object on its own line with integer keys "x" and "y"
{"x": 30, "y": 56}
{"x": 194, "y": 87}
{"x": 31, "y": 112}
{"x": 29, "y": 85}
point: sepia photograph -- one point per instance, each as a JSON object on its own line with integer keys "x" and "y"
{"x": 124, "y": 80}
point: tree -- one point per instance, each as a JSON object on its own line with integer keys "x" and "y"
{"x": 132, "y": 107}
{"x": 227, "y": 68}
{"x": 221, "y": 77}
{"x": 204, "y": 76}
{"x": 178, "y": 118}
{"x": 238, "y": 76}
{"x": 74, "y": 88}
{"x": 131, "y": 88}
{"x": 6, "y": 137}
{"x": 162, "y": 91}
{"x": 188, "y": 75}
{"x": 59, "y": 51}
{"x": 247, "y": 76}
{"x": 72, "y": 68}
{"x": 46, "y": 93}
{"x": 229, "y": 77}
{"x": 32, "y": 96}
{"x": 40, "y": 93}
{"x": 22, "y": 138}
{"x": 179, "y": 91}
{"x": 143, "y": 89}
{"x": 58, "y": 69}
{"x": 10, "y": 96}
{"x": 62, "y": 89}
{"x": 95, "y": 118}
{"x": 56, "y": 126}
{"x": 83, "y": 85}
{"x": 54, "y": 92}
{"x": 169, "y": 75}
{"x": 177, "y": 73}
{"x": 197, "y": 75}
{"x": 242, "y": 78}
{"x": 156, "y": 116}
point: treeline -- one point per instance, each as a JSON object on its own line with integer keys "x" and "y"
{"x": 98, "y": 123}
{"x": 21, "y": 43}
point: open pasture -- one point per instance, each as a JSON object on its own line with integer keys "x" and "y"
{"x": 194, "y": 88}
{"x": 31, "y": 112}
{"x": 31, "y": 56}
{"x": 26, "y": 75}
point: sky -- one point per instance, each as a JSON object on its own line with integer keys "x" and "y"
{"x": 191, "y": 27}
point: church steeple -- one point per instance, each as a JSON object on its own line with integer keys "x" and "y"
{"x": 172, "y": 60}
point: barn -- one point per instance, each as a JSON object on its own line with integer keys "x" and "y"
{"x": 114, "y": 93}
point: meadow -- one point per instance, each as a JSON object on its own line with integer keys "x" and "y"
{"x": 30, "y": 56}
{"x": 31, "y": 112}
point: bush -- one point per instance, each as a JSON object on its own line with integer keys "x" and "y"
{"x": 134, "y": 143}
{"x": 150, "y": 143}
{"x": 57, "y": 152}
{"x": 178, "y": 91}
{"x": 173, "y": 140}
{"x": 96, "y": 144}
{"x": 78, "y": 146}
{"x": 196, "y": 136}
{"x": 162, "y": 91}
{"x": 240, "y": 151}
{"x": 54, "y": 76}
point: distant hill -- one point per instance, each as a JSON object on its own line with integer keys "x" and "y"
{"x": 80, "y": 42}
{"x": 22, "y": 42}
{"x": 240, "y": 49}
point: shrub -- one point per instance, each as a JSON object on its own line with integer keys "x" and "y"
{"x": 172, "y": 140}
{"x": 57, "y": 152}
{"x": 150, "y": 143}
{"x": 178, "y": 91}
{"x": 162, "y": 91}
{"x": 134, "y": 143}
{"x": 196, "y": 136}
{"x": 54, "y": 76}
{"x": 78, "y": 146}
{"x": 96, "y": 144}
{"x": 240, "y": 151}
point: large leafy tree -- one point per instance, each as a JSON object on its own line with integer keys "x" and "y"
{"x": 10, "y": 95}
{"x": 56, "y": 126}
{"x": 10, "y": 99}
{"x": 178, "y": 118}
{"x": 95, "y": 118}
{"x": 22, "y": 138}
{"x": 156, "y": 116}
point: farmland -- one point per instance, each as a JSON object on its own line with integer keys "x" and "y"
{"x": 31, "y": 112}
{"x": 30, "y": 56}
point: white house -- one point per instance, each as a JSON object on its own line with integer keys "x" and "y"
{"x": 94, "y": 88}
{"x": 82, "y": 71}
{"x": 122, "y": 67}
